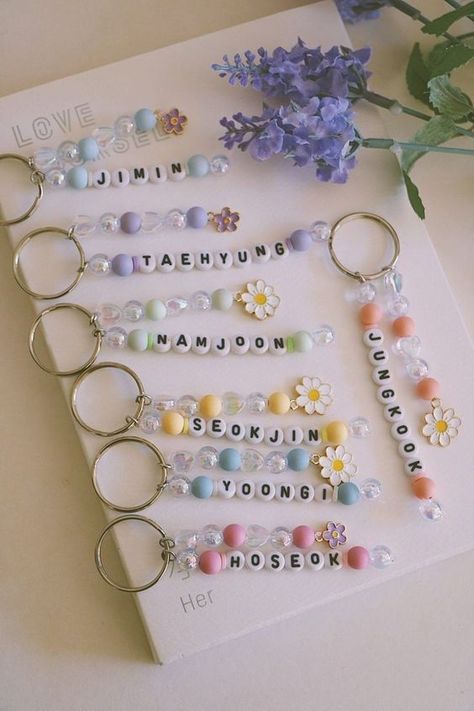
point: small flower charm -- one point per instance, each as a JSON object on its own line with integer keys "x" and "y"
{"x": 313, "y": 395}
{"x": 334, "y": 535}
{"x": 259, "y": 299}
{"x": 225, "y": 220}
{"x": 173, "y": 121}
{"x": 441, "y": 425}
{"x": 337, "y": 465}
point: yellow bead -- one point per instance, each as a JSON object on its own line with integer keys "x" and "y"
{"x": 279, "y": 403}
{"x": 335, "y": 432}
{"x": 172, "y": 423}
{"x": 210, "y": 406}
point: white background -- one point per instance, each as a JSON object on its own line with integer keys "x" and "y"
{"x": 77, "y": 646}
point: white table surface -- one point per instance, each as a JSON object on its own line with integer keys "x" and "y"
{"x": 67, "y": 642}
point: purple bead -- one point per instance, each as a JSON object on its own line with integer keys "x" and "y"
{"x": 301, "y": 240}
{"x": 122, "y": 264}
{"x": 196, "y": 217}
{"x": 130, "y": 222}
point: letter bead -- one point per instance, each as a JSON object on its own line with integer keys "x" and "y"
{"x": 304, "y": 493}
{"x": 245, "y": 490}
{"x": 196, "y": 426}
{"x": 261, "y": 253}
{"x": 165, "y": 262}
{"x": 226, "y": 488}
{"x": 181, "y": 343}
{"x": 235, "y": 560}
{"x": 157, "y": 173}
{"x": 381, "y": 376}
{"x": 242, "y": 258}
{"x": 176, "y": 171}
{"x": 312, "y": 436}
{"x": 407, "y": 449}
{"x": 220, "y": 345}
{"x": 120, "y": 178}
{"x": 333, "y": 560}
{"x": 314, "y": 560}
{"x": 285, "y": 492}
{"x": 400, "y": 431}
{"x": 373, "y": 337}
{"x": 277, "y": 345}
{"x": 413, "y": 466}
{"x": 254, "y": 434}
{"x": 235, "y": 431}
{"x": 294, "y": 560}
{"x": 203, "y": 261}
{"x": 324, "y": 493}
{"x": 293, "y": 435}
{"x": 259, "y": 344}
{"x": 279, "y": 250}
{"x": 139, "y": 176}
{"x": 146, "y": 264}
{"x": 216, "y": 427}
{"x": 161, "y": 343}
{"x": 223, "y": 260}
{"x": 386, "y": 395}
{"x": 393, "y": 412}
{"x": 101, "y": 179}
{"x": 275, "y": 561}
{"x": 201, "y": 345}
{"x": 185, "y": 261}
{"x": 254, "y": 560}
{"x": 265, "y": 491}
{"x": 273, "y": 436}
{"x": 240, "y": 345}
{"x": 378, "y": 356}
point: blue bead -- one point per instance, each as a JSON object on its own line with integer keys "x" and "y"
{"x": 77, "y": 177}
{"x": 145, "y": 120}
{"x": 348, "y": 493}
{"x": 298, "y": 459}
{"x": 229, "y": 459}
{"x": 202, "y": 487}
{"x": 198, "y": 166}
{"x": 88, "y": 148}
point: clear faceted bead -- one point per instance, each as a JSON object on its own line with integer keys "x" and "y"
{"x": 164, "y": 402}
{"x": 109, "y": 223}
{"x": 211, "y": 535}
{"x": 150, "y": 421}
{"x": 208, "y": 458}
{"x": 409, "y": 346}
{"x": 200, "y": 301}
{"x": 179, "y": 485}
{"x": 392, "y": 281}
{"x": 219, "y": 165}
{"x": 398, "y": 306}
{"x": 381, "y": 557}
{"x": 176, "y": 305}
{"x": 133, "y": 311}
{"x": 251, "y": 460}
{"x": 56, "y": 177}
{"x": 116, "y": 337}
{"x": 370, "y": 488}
{"x": 324, "y": 335}
{"x": 69, "y": 152}
{"x": 281, "y": 537}
{"x": 99, "y": 264}
{"x": 182, "y": 461}
{"x": 108, "y": 314}
{"x": 104, "y": 136}
{"x": 83, "y": 225}
{"x": 256, "y": 403}
{"x": 187, "y": 405}
{"x": 417, "y": 369}
{"x": 359, "y": 427}
{"x": 320, "y": 231}
{"x": 232, "y": 404}
{"x": 187, "y": 538}
{"x": 44, "y": 158}
{"x": 430, "y": 510}
{"x": 276, "y": 462}
{"x": 124, "y": 126}
{"x": 176, "y": 219}
{"x": 187, "y": 559}
{"x": 366, "y": 293}
{"x": 151, "y": 222}
{"x": 256, "y": 536}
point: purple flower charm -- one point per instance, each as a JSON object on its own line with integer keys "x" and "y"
{"x": 356, "y": 10}
{"x": 173, "y": 122}
{"x": 334, "y": 534}
{"x": 225, "y": 220}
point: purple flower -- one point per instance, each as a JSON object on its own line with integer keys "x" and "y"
{"x": 356, "y": 10}
{"x": 267, "y": 142}
{"x": 334, "y": 534}
{"x": 173, "y": 121}
{"x": 226, "y": 220}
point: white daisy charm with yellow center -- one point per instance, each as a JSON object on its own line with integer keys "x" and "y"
{"x": 314, "y": 396}
{"x": 441, "y": 425}
{"x": 260, "y": 299}
{"x": 336, "y": 465}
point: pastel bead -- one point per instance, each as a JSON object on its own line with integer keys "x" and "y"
{"x": 230, "y": 460}
{"x": 88, "y": 148}
{"x": 210, "y": 406}
{"x": 138, "y": 339}
{"x": 155, "y": 310}
{"x": 130, "y": 222}
{"x": 211, "y": 562}
{"x": 234, "y": 535}
{"x": 370, "y": 315}
{"x": 198, "y": 166}
{"x": 303, "y": 342}
{"x": 298, "y": 459}
{"x": 122, "y": 265}
{"x": 335, "y": 432}
{"x": 222, "y": 299}
{"x": 172, "y": 422}
{"x": 300, "y": 240}
{"x": 348, "y": 493}
{"x": 358, "y": 557}
{"x": 423, "y": 487}
{"x": 428, "y": 388}
{"x": 404, "y": 326}
{"x": 202, "y": 487}
{"x": 279, "y": 403}
{"x": 78, "y": 177}
{"x": 196, "y": 217}
{"x": 303, "y": 536}
{"x": 145, "y": 120}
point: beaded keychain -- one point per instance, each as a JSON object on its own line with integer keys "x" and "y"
{"x": 252, "y": 547}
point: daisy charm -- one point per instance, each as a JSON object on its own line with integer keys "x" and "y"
{"x": 260, "y": 299}
{"x": 337, "y": 465}
{"x": 441, "y": 425}
{"x": 314, "y": 396}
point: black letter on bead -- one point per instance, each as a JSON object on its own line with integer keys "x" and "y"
{"x": 285, "y": 491}
{"x": 254, "y": 432}
{"x": 205, "y": 258}
{"x": 304, "y": 492}
{"x": 278, "y": 343}
{"x": 245, "y": 488}
{"x": 181, "y": 340}
{"x": 240, "y": 340}
{"x": 388, "y": 392}
{"x": 413, "y": 466}
{"x": 395, "y": 410}
{"x": 101, "y": 181}
{"x": 166, "y": 260}
{"x": 383, "y": 374}
{"x": 242, "y": 257}
{"x": 185, "y": 259}
{"x": 261, "y": 250}
{"x": 221, "y": 345}
{"x": 333, "y": 558}
{"x": 201, "y": 341}
{"x": 161, "y": 339}
{"x": 265, "y": 489}
{"x": 275, "y": 561}
{"x": 138, "y": 173}
{"x": 312, "y": 435}
{"x": 176, "y": 168}
{"x": 279, "y": 249}
{"x": 147, "y": 258}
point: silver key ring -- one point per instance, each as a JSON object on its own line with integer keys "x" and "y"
{"x": 36, "y": 177}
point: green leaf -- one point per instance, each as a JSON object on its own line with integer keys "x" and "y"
{"x": 436, "y": 131}
{"x": 448, "y": 99}
{"x": 444, "y": 22}
{"x": 417, "y": 75}
{"x": 443, "y": 58}
{"x": 414, "y": 196}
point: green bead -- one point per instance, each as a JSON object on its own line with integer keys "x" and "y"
{"x": 198, "y": 166}
{"x": 202, "y": 487}
{"x": 151, "y": 341}
{"x": 222, "y": 299}
{"x": 138, "y": 339}
{"x": 290, "y": 345}
{"x": 303, "y": 341}
{"x": 155, "y": 310}
{"x": 230, "y": 460}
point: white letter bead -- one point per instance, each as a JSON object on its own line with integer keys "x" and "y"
{"x": 235, "y": 431}
{"x": 161, "y": 343}
{"x": 216, "y": 427}
{"x": 314, "y": 560}
{"x": 277, "y": 345}
{"x": 146, "y": 263}
{"x": 223, "y": 260}
{"x": 254, "y": 434}
{"x": 181, "y": 343}
{"x": 120, "y": 178}
{"x": 259, "y": 344}
{"x": 185, "y": 261}
{"x": 413, "y": 467}
{"x": 284, "y": 492}
{"x": 139, "y": 176}
{"x": 201, "y": 345}
{"x": 407, "y": 448}
{"x": 311, "y": 436}
{"x": 240, "y": 345}
{"x": 400, "y": 430}
{"x": 393, "y": 412}
{"x": 221, "y": 346}
{"x": 235, "y": 560}
{"x": 333, "y": 560}
{"x": 275, "y": 561}
{"x": 378, "y": 356}
{"x": 273, "y": 436}
{"x": 245, "y": 490}
{"x": 254, "y": 560}
{"x": 386, "y": 394}
{"x": 242, "y": 258}
{"x": 196, "y": 426}
{"x": 176, "y": 171}
{"x": 323, "y": 493}
{"x": 304, "y": 493}
{"x": 157, "y": 173}
{"x": 204, "y": 261}
{"x": 294, "y": 561}
{"x": 226, "y": 488}
{"x": 373, "y": 337}
{"x": 165, "y": 262}
{"x": 265, "y": 490}
{"x": 381, "y": 376}
{"x": 279, "y": 250}
{"x": 261, "y": 253}
{"x": 293, "y": 435}
{"x": 101, "y": 179}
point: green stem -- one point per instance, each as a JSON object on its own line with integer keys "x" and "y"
{"x": 416, "y": 15}
{"x": 466, "y": 35}
{"x": 389, "y": 143}
{"x": 457, "y": 6}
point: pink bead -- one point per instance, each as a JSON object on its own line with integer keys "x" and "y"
{"x": 404, "y": 326}
{"x": 370, "y": 315}
{"x": 303, "y": 536}
{"x": 210, "y": 562}
{"x": 428, "y": 388}
{"x": 234, "y": 535}
{"x": 358, "y": 557}
{"x": 423, "y": 487}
